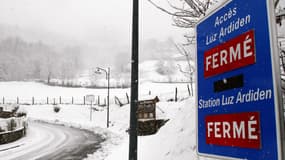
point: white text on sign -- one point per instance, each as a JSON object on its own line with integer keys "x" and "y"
{"x": 233, "y": 54}
{"x": 235, "y": 130}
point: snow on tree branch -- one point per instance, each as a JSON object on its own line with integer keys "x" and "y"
{"x": 186, "y": 13}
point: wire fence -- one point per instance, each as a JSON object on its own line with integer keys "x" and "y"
{"x": 51, "y": 100}
{"x": 121, "y": 99}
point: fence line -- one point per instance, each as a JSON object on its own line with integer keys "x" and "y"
{"x": 122, "y": 99}
{"x": 50, "y": 100}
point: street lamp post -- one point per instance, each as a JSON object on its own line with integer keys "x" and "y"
{"x": 107, "y": 72}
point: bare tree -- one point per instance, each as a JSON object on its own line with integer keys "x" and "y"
{"x": 182, "y": 49}
{"x": 276, "y": 3}
{"x": 185, "y": 13}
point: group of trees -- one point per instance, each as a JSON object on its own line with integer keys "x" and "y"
{"x": 22, "y": 60}
{"x": 186, "y": 14}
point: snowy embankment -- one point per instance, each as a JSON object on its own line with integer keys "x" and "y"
{"x": 175, "y": 140}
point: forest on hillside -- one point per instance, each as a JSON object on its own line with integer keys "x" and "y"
{"x": 22, "y": 60}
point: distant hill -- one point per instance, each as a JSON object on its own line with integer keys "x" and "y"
{"x": 31, "y": 54}
{"x": 35, "y": 35}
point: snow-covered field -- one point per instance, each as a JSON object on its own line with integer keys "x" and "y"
{"x": 25, "y": 91}
{"x": 175, "y": 140}
{"x": 48, "y": 141}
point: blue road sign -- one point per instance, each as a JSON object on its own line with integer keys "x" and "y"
{"x": 237, "y": 83}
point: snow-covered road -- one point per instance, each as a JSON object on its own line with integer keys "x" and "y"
{"x": 46, "y": 141}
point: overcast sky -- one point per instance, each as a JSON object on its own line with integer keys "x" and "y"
{"x": 87, "y": 18}
{"x": 98, "y": 22}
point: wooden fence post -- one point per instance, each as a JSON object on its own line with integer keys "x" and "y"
{"x": 117, "y": 101}
{"x": 176, "y": 94}
{"x": 84, "y": 100}
{"x": 128, "y": 100}
{"x": 47, "y": 100}
{"x": 188, "y": 90}
{"x": 53, "y": 101}
{"x": 72, "y": 100}
{"x": 192, "y": 89}
{"x": 3, "y": 100}
{"x": 59, "y": 99}
{"x": 98, "y": 100}
{"x": 33, "y": 100}
{"x": 17, "y": 100}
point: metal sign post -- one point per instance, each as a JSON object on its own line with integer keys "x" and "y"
{"x": 90, "y": 98}
{"x": 240, "y": 114}
{"x": 134, "y": 83}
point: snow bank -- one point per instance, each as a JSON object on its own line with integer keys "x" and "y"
{"x": 79, "y": 117}
{"x": 175, "y": 140}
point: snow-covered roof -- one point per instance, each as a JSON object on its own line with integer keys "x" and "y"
{"x": 8, "y": 107}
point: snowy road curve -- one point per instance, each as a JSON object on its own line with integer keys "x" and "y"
{"x": 46, "y": 141}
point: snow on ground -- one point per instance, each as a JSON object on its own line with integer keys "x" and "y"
{"x": 78, "y": 116}
{"x": 149, "y": 71}
{"x": 26, "y": 90}
{"x": 176, "y": 140}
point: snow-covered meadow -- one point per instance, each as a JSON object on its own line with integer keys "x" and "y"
{"x": 175, "y": 140}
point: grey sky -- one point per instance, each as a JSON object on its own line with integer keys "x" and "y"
{"x": 104, "y": 24}
{"x": 85, "y": 19}
{"x": 88, "y": 18}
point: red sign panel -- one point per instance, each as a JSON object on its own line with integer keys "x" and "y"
{"x": 233, "y": 54}
{"x": 235, "y": 130}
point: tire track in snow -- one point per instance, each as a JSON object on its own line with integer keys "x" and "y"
{"x": 47, "y": 141}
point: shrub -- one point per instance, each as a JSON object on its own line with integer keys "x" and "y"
{"x": 56, "y": 108}
{"x": 165, "y": 67}
{"x": 21, "y": 114}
